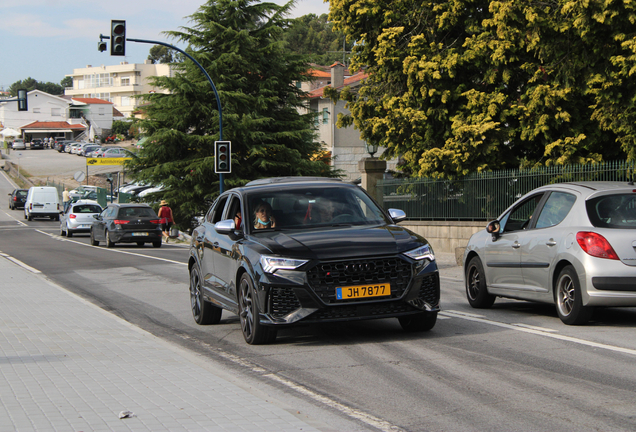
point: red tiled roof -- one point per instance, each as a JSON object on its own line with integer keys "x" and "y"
{"x": 53, "y": 125}
{"x": 348, "y": 81}
{"x": 91, "y": 100}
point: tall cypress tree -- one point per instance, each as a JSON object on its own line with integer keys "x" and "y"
{"x": 240, "y": 45}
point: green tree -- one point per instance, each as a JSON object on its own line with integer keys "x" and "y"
{"x": 31, "y": 84}
{"x": 161, "y": 54}
{"x": 239, "y": 43}
{"x": 313, "y": 36}
{"x": 67, "y": 82}
{"x": 463, "y": 86}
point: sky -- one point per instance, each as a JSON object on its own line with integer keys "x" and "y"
{"x": 47, "y": 39}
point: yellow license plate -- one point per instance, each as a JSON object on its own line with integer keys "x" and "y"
{"x": 363, "y": 291}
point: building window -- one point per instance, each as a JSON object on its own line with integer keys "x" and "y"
{"x": 56, "y": 112}
{"x": 325, "y": 116}
{"x": 125, "y": 101}
{"x": 100, "y": 111}
{"x": 36, "y": 110}
{"x": 125, "y": 81}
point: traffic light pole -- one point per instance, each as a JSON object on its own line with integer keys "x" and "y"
{"x": 216, "y": 93}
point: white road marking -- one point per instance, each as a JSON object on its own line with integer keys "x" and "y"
{"x": 354, "y": 413}
{"x": 539, "y": 332}
{"x": 58, "y": 238}
{"x": 18, "y": 221}
{"x": 20, "y": 263}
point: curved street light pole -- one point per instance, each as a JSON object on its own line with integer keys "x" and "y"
{"x": 216, "y": 93}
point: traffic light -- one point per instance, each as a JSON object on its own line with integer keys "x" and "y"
{"x": 118, "y": 37}
{"x": 222, "y": 157}
{"x": 101, "y": 46}
{"x": 22, "y": 100}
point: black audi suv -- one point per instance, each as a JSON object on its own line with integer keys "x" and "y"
{"x": 293, "y": 250}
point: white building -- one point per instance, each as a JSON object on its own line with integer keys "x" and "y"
{"x": 117, "y": 84}
{"x": 56, "y": 116}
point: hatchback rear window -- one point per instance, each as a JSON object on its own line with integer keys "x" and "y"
{"x": 613, "y": 211}
{"x": 22, "y": 193}
{"x": 87, "y": 208}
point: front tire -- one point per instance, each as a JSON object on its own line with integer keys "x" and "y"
{"x": 476, "y": 290}
{"x": 568, "y": 298}
{"x": 418, "y": 323}
{"x": 203, "y": 311}
{"x": 254, "y": 332}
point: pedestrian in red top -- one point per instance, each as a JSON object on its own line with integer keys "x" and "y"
{"x": 165, "y": 216}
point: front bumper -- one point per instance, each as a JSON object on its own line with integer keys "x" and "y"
{"x": 288, "y": 298}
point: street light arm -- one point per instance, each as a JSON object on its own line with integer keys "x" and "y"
{"x": 216, "y": 93}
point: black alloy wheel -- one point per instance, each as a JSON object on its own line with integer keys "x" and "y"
{"x": 568, "y": 299}
{"x": 203, "y": 312}
{"x": 109, "y": 243}
{"x": 476, "y": 290}
{"x": 93, "y": 241}
{"x": 69, "y": 233}
{"x": 253, "y": 331}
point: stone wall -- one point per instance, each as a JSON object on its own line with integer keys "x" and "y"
{"x": 445, "y": 236}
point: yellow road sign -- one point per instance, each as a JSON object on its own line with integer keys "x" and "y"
{"x": 106, "y": 161}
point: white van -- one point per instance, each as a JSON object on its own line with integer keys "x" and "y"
{"x": 42, "y": 201}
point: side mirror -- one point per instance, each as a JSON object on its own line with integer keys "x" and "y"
{"x": 493, "y": 228}
{"x": 397, "y": 215}
{"x": 226, "y": 226}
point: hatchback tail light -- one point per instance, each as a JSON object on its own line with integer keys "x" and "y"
{"x": 15, "y": 198}
{"x": 120, "y": 222}
{"x": 595, "y": 245}
{"x": 72, "y": 216}
{"x": 155, "y": 221}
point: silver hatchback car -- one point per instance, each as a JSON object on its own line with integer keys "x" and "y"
{"x": 569, "y": 244}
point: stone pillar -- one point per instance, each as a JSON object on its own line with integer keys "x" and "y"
{"x": 372, "y": 170}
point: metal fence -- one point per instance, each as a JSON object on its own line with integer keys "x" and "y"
{"x": 484, "y": 196}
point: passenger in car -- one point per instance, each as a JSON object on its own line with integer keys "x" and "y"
{"x": 263, "y": 216}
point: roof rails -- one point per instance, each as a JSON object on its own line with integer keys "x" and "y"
{"x": 290, "y": 179}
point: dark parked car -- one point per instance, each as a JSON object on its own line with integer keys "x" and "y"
{"x": 295, "y": 250}
{"x": 17, "y": 198}
{"x": 36, "y": 144}
{"x": 126, "y": 223}
{"x": 60, "y": 144}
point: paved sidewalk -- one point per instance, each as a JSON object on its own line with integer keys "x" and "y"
{"x": 67, "y": 365}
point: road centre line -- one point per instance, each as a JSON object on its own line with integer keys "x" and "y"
{"x": 58, "y": 238}
{"x": 538, "y": 332}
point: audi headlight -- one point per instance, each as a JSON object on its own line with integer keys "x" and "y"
{"x": 422, "y": 252}
{"x": 270, "y": 264}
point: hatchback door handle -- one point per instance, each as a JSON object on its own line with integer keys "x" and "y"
{"x": 551, "y": 242}
{"x": 516, "y": 245}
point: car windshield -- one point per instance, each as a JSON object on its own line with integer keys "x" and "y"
{"x": 613, "y": 211}
{"x": 307, "y": 208}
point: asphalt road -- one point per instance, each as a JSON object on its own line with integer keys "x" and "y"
{"x": 514, "y": 367}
